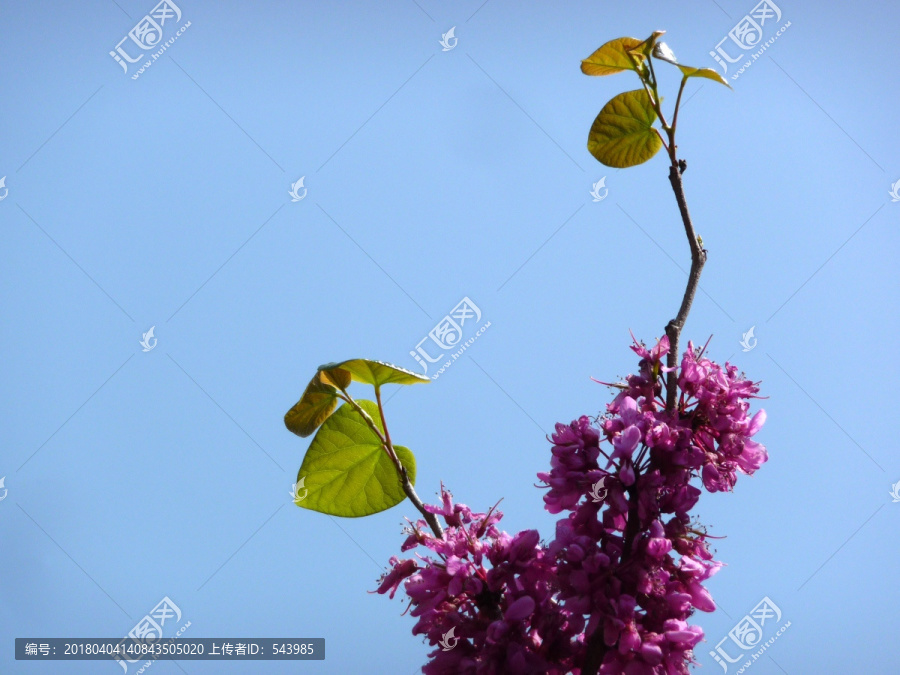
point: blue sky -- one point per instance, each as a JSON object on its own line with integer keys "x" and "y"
{"x": 431, "y": 176}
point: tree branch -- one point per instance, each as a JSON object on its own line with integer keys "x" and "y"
{"x": 596, "y": 647}
{"x": 408, "y": 489}
{"x": 430, "y": 518}
{"x": 698, "y": 259}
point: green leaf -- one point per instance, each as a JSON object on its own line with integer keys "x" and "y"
{"x": 611, "y": 58}
{"x": 623, "y": 133}
{"x": 320, "y": 397}
{"x": 708, "y": 73}
{"x": 375, "y": 373}
{"x": 318, "y": 402}
{"x": 347, "y": 472}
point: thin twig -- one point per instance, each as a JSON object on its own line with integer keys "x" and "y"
{"x": 430, "y": 518}
{"x": 698, "y": 259}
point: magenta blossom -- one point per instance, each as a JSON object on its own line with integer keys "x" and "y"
{"x": 625, "y": 570}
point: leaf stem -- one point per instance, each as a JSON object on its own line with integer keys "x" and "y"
{"x": 663, "y": 140}
{"x": 678, "y": 104}
{"x": 368, "y": 420}
{"x": 653, "y": 76}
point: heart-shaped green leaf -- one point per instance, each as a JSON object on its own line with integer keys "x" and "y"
{"x": 623, "y": 134}
{"x": 375, "y": 373}
{"x": 318, "y": 402}
{"x": 611, "y": 58}
{"x": 708, "y": 73}
{"x": 346, "y": 471}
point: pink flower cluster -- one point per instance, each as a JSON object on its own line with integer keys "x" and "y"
{"x": 625, "y": 571}
{"x": 487, "y": 600}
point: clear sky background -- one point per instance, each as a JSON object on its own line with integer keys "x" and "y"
{"x": 431, "y": 175}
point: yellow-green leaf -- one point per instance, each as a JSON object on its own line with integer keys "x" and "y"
{"x": 318, "y": 402}
{"x": 611, "y": 58}
{"x": 646, "y": 47}
{"x": 662, "y": 52}
{"x": 623, "y": 133}
{"x": 375, "y": 373}
{"x": 346, "y": 471}
{"x": 320, "y": 397}
{"x": 708, "y": 73}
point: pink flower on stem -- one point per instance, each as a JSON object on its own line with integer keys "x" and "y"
{"x": 610, "y": 576}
